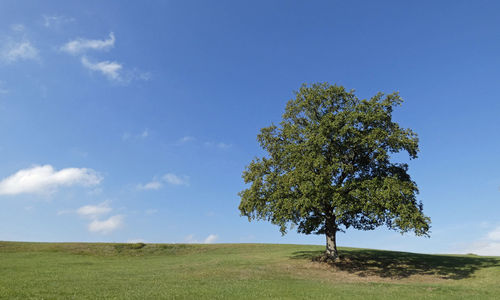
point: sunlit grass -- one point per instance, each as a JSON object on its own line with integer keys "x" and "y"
{"x": 242, "y": 271}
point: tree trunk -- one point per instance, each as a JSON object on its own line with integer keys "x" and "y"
{"x": 331, "y": 243}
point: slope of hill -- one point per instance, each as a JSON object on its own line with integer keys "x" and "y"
{"x": 242, "y": 271}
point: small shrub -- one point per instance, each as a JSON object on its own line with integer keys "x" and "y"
{"x": 137, "y": 245}
{"x": 133, "y": 246}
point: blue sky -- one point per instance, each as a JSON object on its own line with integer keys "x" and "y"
{"x": 124, "y": 121}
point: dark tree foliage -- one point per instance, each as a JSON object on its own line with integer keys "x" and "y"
{"x": 329, "y": 167}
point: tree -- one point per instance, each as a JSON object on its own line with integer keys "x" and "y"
{"x": 329, "y": 167}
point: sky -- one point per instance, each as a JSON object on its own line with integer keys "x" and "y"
{"x": 127, "y": 121}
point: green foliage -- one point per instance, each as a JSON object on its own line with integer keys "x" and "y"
{"x": 329, "y": 161}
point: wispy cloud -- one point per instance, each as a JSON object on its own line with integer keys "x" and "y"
{"x": 210, "y": 239}
{"x": 80, "y": 45}
{"x": 110, "y": 69}
{"x": 55, "y": 21}
{"x": 106, "y": 226}
{"x": 209, "y": 144}
{"x": 17, "y": 27}
{"x": 14, "y": 51}
{"x": 44, "y": 179}
{"x": 129, "y": 136}
{"x": 153, "y": 185}
{"x": 175, "y": 179}
{"x": 94, "y": 211}
{"x": 169, "y": 178}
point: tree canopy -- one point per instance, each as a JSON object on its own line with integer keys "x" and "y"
{"x": 329, "y": 167}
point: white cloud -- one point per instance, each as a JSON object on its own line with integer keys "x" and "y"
{"x": 81, "y": 45}
{"x": 94, "y": 211}
{"x": 176, "y": 180}
{"x": 110, "y": 69}
{"x": 107, "y": 226}
{"x": 44, "y": 179}
{"x": 488, "y": 245}
{"x": 211, "y": 239}
{"x": 94, "y": 214}
{"x": 153, "y": 185}
{"x": 168, "y": 178}
{"x": 494, "y": 235}
{"x": 15, "y": 51}
{"x": 144, "y": 76}
{"x": 145, "y": 133}
{"x": 55, "y": 21}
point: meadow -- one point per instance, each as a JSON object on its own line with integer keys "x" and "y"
{"x": 237, "y": 271}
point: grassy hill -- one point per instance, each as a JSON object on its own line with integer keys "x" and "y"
{"x": 242, "y": 271}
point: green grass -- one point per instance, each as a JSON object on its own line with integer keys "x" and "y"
{"x": 237, "y": 271}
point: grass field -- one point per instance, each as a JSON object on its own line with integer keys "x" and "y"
{"x": 240, "y": 271}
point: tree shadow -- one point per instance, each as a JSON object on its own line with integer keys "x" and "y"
{"x": 398, "y": 265}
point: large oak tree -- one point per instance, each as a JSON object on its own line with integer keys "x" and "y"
{"x": 330, "y": 167}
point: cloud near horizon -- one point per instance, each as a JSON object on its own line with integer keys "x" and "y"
{"x": 489, "y": 245}
{"x": 94, "y": 214}
{"x": 210, "y": 239}
{"x": 44, "y": 179}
